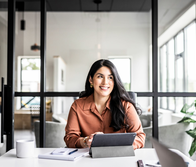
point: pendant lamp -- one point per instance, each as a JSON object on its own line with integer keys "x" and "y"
{"x": 35, "y": 47}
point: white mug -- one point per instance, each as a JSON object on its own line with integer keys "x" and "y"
{"x": 25, "y": 148}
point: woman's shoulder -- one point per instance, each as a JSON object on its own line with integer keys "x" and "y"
{"x": 82, "y": 103}
{"x": 79, "y": 102}
{"x": 127, "y": 104}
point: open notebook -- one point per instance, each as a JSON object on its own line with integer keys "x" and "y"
{"x": 64, "y": 154}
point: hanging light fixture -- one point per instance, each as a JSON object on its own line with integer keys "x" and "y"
{"x": 35, "y": 47}
{"x": 22, "y": 22}
{"x": 98, "y": 20}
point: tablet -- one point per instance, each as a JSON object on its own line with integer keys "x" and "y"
{"x": 113, "y": 139}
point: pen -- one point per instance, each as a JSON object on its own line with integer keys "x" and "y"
{"x": 73, "y": 151}
{"x": 152, "y": 165}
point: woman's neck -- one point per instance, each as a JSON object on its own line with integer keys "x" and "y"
{"x": 100, "y": 102}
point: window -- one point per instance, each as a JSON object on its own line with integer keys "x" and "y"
{"x": 177, "y": 67}
{"x": 123, "y": 66}
{"x": 29, "y": 80}
{"x": 190, "y": 42}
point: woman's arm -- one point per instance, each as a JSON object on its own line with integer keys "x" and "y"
{"x": 134, "y": 123}
{"x": 72, "y": 129}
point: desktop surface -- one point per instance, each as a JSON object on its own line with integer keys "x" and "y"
{"x": 10, "y": 160}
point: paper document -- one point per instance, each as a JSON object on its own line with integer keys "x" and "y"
{"x": 67, "y": 154}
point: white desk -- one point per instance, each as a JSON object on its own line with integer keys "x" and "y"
{"x": 9, "y": 160}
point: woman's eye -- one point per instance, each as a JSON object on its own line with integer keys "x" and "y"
{"x": 110, "y": 77}
{"x": 100, "y": 76}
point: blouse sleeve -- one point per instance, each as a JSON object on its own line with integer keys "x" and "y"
{"x": 134, "y": 125}
{"x": 72, "y": 129}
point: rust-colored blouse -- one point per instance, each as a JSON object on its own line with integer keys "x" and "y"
{"x": 84, "y": 119}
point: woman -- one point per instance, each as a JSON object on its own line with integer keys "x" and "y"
{"x": 105, "y": 107}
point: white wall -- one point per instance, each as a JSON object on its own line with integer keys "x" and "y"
{"x": 59, "y": 84}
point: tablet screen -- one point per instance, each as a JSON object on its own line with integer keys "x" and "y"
{"x": 113, "y": 139}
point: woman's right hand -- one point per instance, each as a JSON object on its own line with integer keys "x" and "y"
{"x": 90, "y": 138}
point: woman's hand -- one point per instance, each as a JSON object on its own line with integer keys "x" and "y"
{"x": 91, "y": 138}
{"x": 88, "y": 140}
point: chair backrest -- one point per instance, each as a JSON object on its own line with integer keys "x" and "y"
{"x": 173, "y": 136}
{"x": 133, "y": 96}
{"x": 55, "y": 133}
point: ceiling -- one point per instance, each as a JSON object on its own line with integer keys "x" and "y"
{"x": 138, "y": 11}
{"x": 86, "y": 5}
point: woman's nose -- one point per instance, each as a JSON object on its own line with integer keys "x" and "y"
{"x": 105, "y": 80}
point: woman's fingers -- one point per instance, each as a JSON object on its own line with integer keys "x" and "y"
{"x": 91, "y": 138}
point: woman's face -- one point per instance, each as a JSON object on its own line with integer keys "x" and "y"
{"x": 103, "y": 82}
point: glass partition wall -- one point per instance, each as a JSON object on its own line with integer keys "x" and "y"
{"x": 75, "y": 38}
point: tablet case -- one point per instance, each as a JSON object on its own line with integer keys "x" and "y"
{"x": 112, "y": 145}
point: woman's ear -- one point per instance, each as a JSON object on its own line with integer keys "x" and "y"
{"x": 90, "y": 80}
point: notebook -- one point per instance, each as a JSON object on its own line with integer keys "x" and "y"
{"x": 167, "y": 158}
{"x": 64, "y": 154}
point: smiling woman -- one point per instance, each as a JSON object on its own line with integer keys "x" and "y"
{"x": 109, "y": 108}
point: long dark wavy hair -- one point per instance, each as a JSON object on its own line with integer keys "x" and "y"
{"x": 118, "y": 93}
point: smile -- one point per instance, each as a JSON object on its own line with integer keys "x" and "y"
{"x": 105, "y": 88}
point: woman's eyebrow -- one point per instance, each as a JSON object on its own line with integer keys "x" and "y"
{"x": 102, "y": 74}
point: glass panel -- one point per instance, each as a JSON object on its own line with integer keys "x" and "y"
{"x": 3, "y": 40}
{"x": 168, "y": 124}
{"x": 171, "y": 68}
{"x": 145, "y": 103}
{"x": 171, "y": 33}
{"x": 171, "y": 28}
{"x": 57, "y": 110}
{"x": 179, "y": 73}
{"x": 27, "y": 47}
{"x": 77, "y": 39}
{"x": 27, "y": 65}
{"x": 179, "y": 43}
{"x": 190, "y": 57}
{"x": 30, "y": 67}
{"x": 24, "y": 117}
{"x": 163, "y": 69}
{"x": 124, "y": 69}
